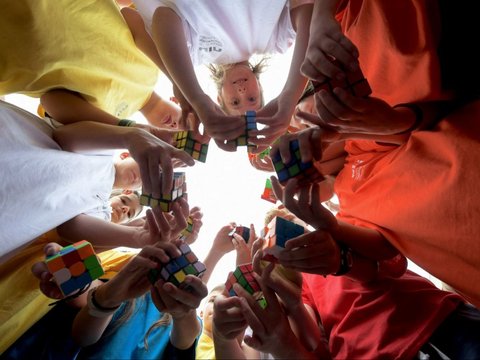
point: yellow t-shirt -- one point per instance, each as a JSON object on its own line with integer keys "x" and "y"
{"x": 205, "y": 349}
{"x": 83, "y": 46}
{"x": 21, "y": 302}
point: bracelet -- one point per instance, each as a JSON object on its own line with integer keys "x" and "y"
{"x": 95, "y": 309}
{"x": 127, "y": 123}
{"x": 418, "y": 115}
{"x": 73, "y": 296}
{"x": 346, "y": 260}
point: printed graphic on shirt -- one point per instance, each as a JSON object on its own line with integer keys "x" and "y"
{"x": 209, "y": 44}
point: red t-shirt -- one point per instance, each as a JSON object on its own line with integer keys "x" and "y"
{"x": 385, "y": 319}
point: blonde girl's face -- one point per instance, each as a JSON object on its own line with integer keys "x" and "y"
{"x": 241, "y": 90}
{"x": 125, "y": 207}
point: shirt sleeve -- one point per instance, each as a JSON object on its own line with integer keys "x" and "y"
{"x": 173, "y": 353}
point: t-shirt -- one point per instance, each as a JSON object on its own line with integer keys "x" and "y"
{"x": 384, "y": 319}
{"x": 205, "y": 348}
{"x": 82, "y": 46}
{"x": 224, "y": 32}
{"x": 41, "y": 185}
{"x": 127, "y": 340}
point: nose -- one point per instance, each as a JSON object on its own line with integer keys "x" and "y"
{"x": 240, "y": 85}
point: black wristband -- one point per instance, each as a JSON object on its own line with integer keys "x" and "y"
{"x": 126, "y": 122}
{"x": 346, "y": 260}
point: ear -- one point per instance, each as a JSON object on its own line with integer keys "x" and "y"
{"x": 127, "y": 192}
{"x": 201, "y": 314}
{"x": 219, "y": 100}
{"x": 124, "y": 155}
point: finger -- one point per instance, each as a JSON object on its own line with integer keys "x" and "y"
{"x": 152, "y": 225}
{"x": 166, "y": 174}
{"x": 226, "y": 146}
{"x": 145, "y": 175}
{"x": 51, "y": 249}
{"x": 156, "y": 297}
{"x": 155, "y": 177}
{"x": 277, "y": 188}
{"x": 305, "y": 146}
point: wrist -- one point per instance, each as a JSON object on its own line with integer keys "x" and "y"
{"x": 95, "y": 306}
{"x": 105, "y": 297}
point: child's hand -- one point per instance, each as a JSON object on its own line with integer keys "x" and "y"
{"x": 263, "y": 164}
{"x": 271, "y": 331}
{"x": 132, "y": 280}
{"x": 39, "y": 269}
{"x": 276, "y": 117}
{"x": 219, "y": 126}
{"x": 228, "y": 320}
{"x": 287, "y": 290}
{"x": 327, "y": 41}
{"x": 315, "y": 252}
{"x": 196, "y": 215}
{"x": 243, "y": 248}
{"x": 170, "y": 299}
{"x": 222, "y": 244}
{"x": 154, "y": 158}
{"x": 308, "y": 207}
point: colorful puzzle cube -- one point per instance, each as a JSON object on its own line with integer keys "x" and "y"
{"x": 177, "y": 269}
{"x": 354, "y": 82}
{"x": 243, "y": 231}
{"x": 243, "y": 275}
{"x": 188, "y": 230}
{"x": 165, "y": 202}
{"x": 268, "y": 193}
{"x": 305, "y": 171}
{"x": 279, "y": 231}
{"x": 186, "y": 142}
{"x": 250, "y": 124}
{"x": 74, "y": 267}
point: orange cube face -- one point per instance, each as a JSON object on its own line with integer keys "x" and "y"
{"x": 74, "y": 267}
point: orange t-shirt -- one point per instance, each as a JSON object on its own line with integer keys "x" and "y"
{"x": 422, "y": 196}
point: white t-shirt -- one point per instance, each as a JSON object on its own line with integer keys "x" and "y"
{"x": 42, "y": 186}
{"x": 228, "y": 31}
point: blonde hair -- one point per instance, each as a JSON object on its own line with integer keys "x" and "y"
{"x": 217, "y": 73}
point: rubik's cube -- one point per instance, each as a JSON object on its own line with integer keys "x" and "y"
{"x": 250, "y": 124}
{"x": 188, "y": 230}
{"x": 354, "y": 82}
{"x": 279, "y": 231}
{"x": 305, "y": 171}
{"x": 268, "y": 193}
{"x": 243, "y": 231}
{"x": 74, "y": 267}
{"x": 186, "y": 142}
{"x": 177, "y": 269}
{"x": 165, "y": 202}
{"x": 243, "y": 275}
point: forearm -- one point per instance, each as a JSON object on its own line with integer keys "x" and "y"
{"x": 68, "y": 107}
{"x": 211, "y": 260}
{"x": 295, "y": 83}
{"x": 366, "y": 242}
{"x": 102, "y": 234}
{"x": 169, "y": 38}
{"x": 228, "y": 348}
{"x": 304, "y": 327}
{"x": 88, "y": 329}
{"x": 142, "y": 38}
{"x": 185, "y": 330}
{"x": 88, "y": 136}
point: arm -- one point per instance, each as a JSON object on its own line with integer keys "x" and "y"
{"x": 141, "y": 37}
{"x": 221, "y": 245}
{"x": 169, "y": 37}
{"x": 131, "y": 282}
{"x": 145, "y": 148}
{"x": 276, "y": 115}
{"x": 69, "y": 107}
